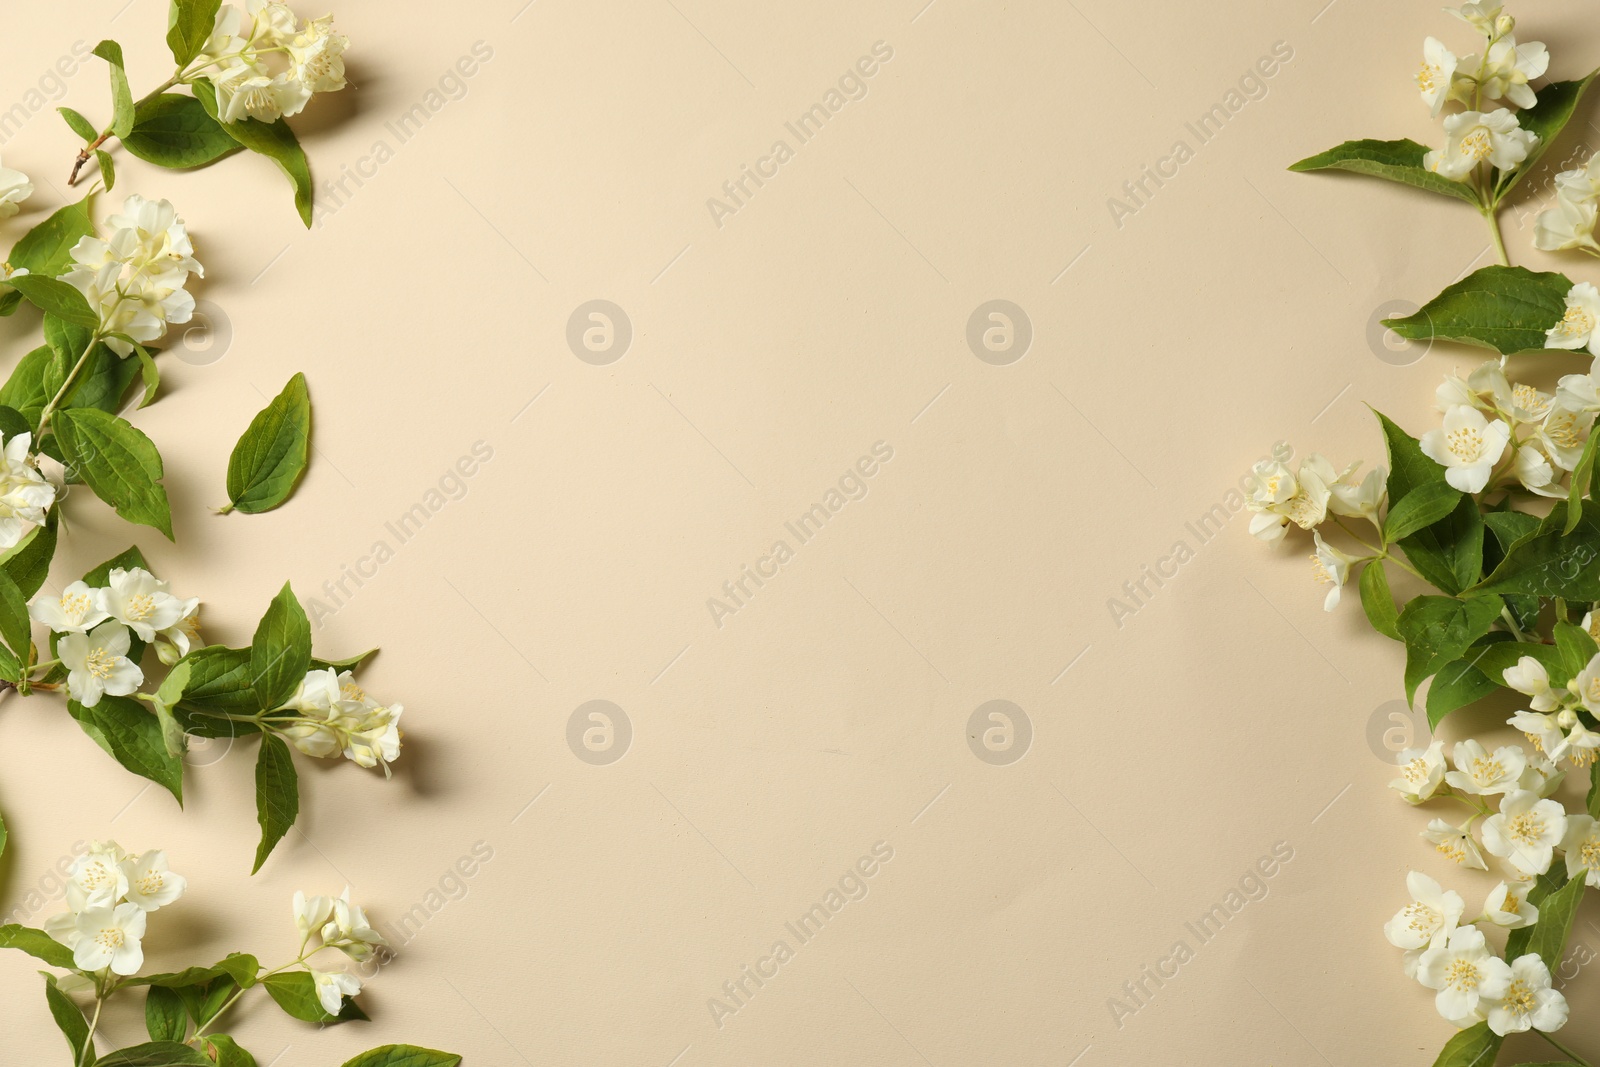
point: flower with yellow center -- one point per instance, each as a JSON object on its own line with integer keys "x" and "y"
{"x": 1528, "y": 1002}
{"x": 1421, "y": 772}
{"x": 1526, "y": 831}
{"x": 1437, "y": 75}
{"x": 77, "y": 609}
{"x": 1454, "y": 843}
{"x": 1507, "y": 905}
{"x": 1468, "y": 446}
{"x": 1464, "y": 971}
{"x": 151, "y": 883}
{"x": 1581, "y": 846}
{"x": 1479, "y": 773}
{"x": 1431, "y": 915}
{"x": 1576, "y": 329}
{"x": 144, "y": 603}
{"x": 110, "y": 937}
{"x": 1330, "y": 567}
{"x": 1473, "y": 138}
{"x": 97, "y": 663}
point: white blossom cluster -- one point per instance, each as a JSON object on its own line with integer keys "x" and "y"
{"x": 96, "y": 627}
{"x": 108, "y": 897}
{"x": 335, "y": 716}
{"x": 1503, "y": 70}
{"x": 266, "y": 64}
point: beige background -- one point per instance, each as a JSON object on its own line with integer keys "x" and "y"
{"x": 429, "y": 309}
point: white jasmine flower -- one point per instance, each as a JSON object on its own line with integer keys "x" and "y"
{"x": 1507, "y": 905}
{"x": 1481, "y": 16}
{"x": 1471, "y": 138}
{"x": 98, "y": 879}
{"x": 110, "y": 937}
{"x": 1525, "y": 831}
{"x": 1454, "y": 843}
{"x": 174, "y": 642}
{"x": 1481, "y": 774}
{"x": 14, "y": 189}
{"x": 1585, "y": 685}
{"x": 251, "y": 92}
{"x": 1279, "y": 497}
{"x": 1580, "y": 392}
{"x": 375, "y": 737}
{"x": 1431, "y": 915}
{"x": 349, "y": 931}
{"x": 337, "y": 716}
{"x": 1577, "y": 327}
{"x": 135, "y": 277}
{"x": 151, "y": 883}
{"x": 1568, "y": 225}
{"x": 1563, "y": 434}
{"x": 316, "y": 56}
{"x": 143, "y": 603}
{"x": 1437, "y": 75}
{"x": 1509, "y": 69}
{"x": 25, "y": 494}
{"x": 1464, "y": 971}
{"x": 1528, "y": 1002}
{"x": 1358, "y": 500}
{"x": 1541, "y": 729}
{"x": 1582, "y": 848}
{"x": 1534, "y": 471}
{"x": 1421, "y": 773}
{"x": 98, "y": 663}
{"x": 77, "y": 609}
{"x": 1580, "y": 745}
{"x": 332, "y": 987}
{"x": 1330, "y": 567}
{"x": 1467, "y": 446}
{"x": 1541, "y": 776}
{"x": 311, "y": 914}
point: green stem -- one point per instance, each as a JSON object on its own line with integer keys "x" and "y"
{"x": 88, "y": 1039}
{"x": 1491, "y": 215}
{"x": 1565, "y": 1051}
{"x": 1511, "y": 621}
{"x": 105, "y": 134}
{"x": 72, "y": 377}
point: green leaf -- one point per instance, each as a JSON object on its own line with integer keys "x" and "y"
{"x": 189, "y": 25}
{"x": 126, "y": 560}
{"x": 133, "y": 737}
{"x": 1476, "y": 1046}
{"x": 404, "y": 1056}
{"x": 15, "y": 626}
{"x": 118, "y": 462}
{"x": 238, "y": 967}
{"x": 276, "y": 141}
{"x": 1546, "y": 118}
{"x": 1507, "y": 309}
{"x": 280, "y": 653}
{"x": 1398, "y": 161}
{"x": 46, "y": 250}
{"x": 271, "y": 456}
{"x": 27, "y": 391}
{"x": 1594, "y": 791}
{"x": 155, "y": 1054}
{"x": 79, "y": 125}
{"x": 1493, "y": 659}
{"x": 277, "y": 795}
{"x": 121, "y": 95}
{"x": 175, "y": 131}
{"x": 149, "y": 373}
{"x": 349, "y": 663}
{"x": 1439, "y": 629}
{"x": 296, "y": 993}
{"x": 108, "y": 169}
{"x": 1378, "y": 601}
{"x": 226, "y": 1051}
{"x": 219, "y": 679}
{"x": 36, "y": 943}
{"x": 1423, "y": 506}
{"x": 1556, "y": 912}
{"x": 56, "y": 298}
{"x": 105, "y": 376}
{"x": 3, "y": 835}
{"x": 164, "y": 1016}
{"x": 1448, "y": 553}
{"x": 69, "y": 1018}
{"x": 166, "y": 698}
{"x": 1582, "y": 482}
{"x": 1551, "y": 564}
{"x": 1457, "y": 684}
{"x": 1577, "y": 648}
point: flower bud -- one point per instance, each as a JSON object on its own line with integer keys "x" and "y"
{"x": 1567, "y": 719}
{"x": 1504, "y": 25}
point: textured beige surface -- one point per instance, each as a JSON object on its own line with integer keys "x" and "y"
{"x": 1215, "y": 740}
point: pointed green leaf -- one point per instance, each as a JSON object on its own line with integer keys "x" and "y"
{"x": 155, "y": 1054}
{"x": 1547, "y": 118}
{"x": 79, "y": 125}
{"x": 1507, "y": 309}
{"x": 133, "y": 737}
{"x": 189, "y": 25}
{"x": 277, "y": 795}
{"x": 1398, "y": 161}
{"x": 280, "y": 652}
{"x": 1556, "y": 912}
{"x": 174, "y": 131}
{"x": 164, "y": 1016}
{"x": 36, "y": 943}
{"x": 271, "y": 456}
{"x": 118, "y": 462}
{"x": 1378, "y": 601}
{"x": 276, "y": 141}
{"x": 1438, "y": 629}
{"x": 69, "y": 1018}
{"x": 296, "y": 993}
{"x": 1424, "y": 506}
{"x": 121, "y": 95}
{"x": 226, "y": 1051}
{"x": 1476, "y": 1046}
{"x": 56, "y": 298}
{"x": 404, "y": 1056}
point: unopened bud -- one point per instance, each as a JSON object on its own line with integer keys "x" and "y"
{"x": 1504, "y": 25}
{"x": 1567, "y": 719}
